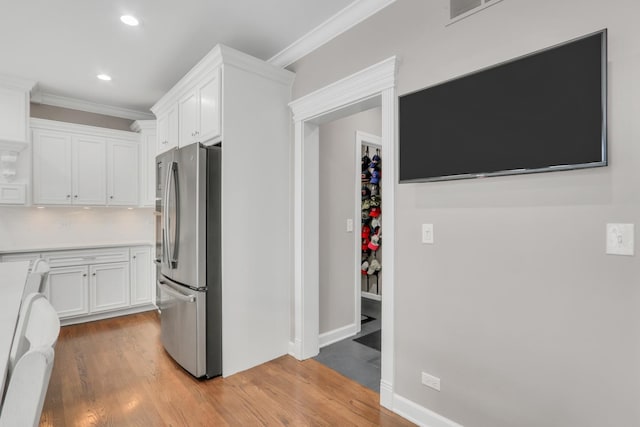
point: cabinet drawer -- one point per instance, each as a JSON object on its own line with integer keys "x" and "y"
{"x": 85, "y": 257}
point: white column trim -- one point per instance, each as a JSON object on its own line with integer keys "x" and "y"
{"x": 375, "y": 81}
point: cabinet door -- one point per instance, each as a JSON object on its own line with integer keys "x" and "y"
{"x": 148, "y": 170}
{"x": 108, "y": 286}
{"x": 89, "y": 171}
{"x": 163, "y": 134}
{"x": 66, "y": 289}
{"x": 209, "y": 97}
{"x": 173, "y": 125}
{"x": 122, "y": 173}
{"x": 51, "y": 168}
{"x": 14, "y": 114}
{"x": 141, "y": 281}
{"x": 188, "y": 107}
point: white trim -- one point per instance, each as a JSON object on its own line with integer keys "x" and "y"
{"x": 88, "y": 106}
{"x": 292, "y": 349}
{"x": 419, "y": 414}
{"x": 339, "y": 23}
{"x": 18, "y": 83}
{"x": 219, "y": 56}
{"x": 376, "y": 81}
{"x": 359, "y": 86}
{"x": 83, "y": 129}
{"x": 143, "y": 125}
{"x": 369, "y": 295}
{"x": 339, "y": 334}
{"x": 107, "y": 314}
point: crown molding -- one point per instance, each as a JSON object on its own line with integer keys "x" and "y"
{"x": 82, "y": 129}
{"x": 373, "y": 79}
{"x": 339, "y": 23}
{"x": 88, "y": 106}
{"x": 18, "y": 83}
{"x": 221, "y": 55}
{"x": 143, "y": 125}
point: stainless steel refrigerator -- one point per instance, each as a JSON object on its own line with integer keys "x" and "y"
{"x": 188, "y": 249}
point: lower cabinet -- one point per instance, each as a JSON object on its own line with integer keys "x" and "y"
{"x": 108, "y": 286}
{"x": 67, "y": 290}
{"x": 91, "y": 284}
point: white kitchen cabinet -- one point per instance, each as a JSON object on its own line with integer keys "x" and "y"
{"x": 199, "y": 111}
{"x": 88, "y": 170}
{"x": 209, "y": 107}
{"x": 84, "y": 165}
{"x": 96, "y": 283}
{"x": 142, "y": 282}
{"x": 14, "y": 109}
{"x": 108, "y": 286}
{"x": 68, "y": 169}
{"x": 122, "y": 173}
{"x": 168, "y": 130}
{"x": 147, "y": 163}
{"x": 67, "y": 288}
{"x": 51, "y": 167}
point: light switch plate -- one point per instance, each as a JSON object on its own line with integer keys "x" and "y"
{"x": 427, "y": 234}
{"x": 620, "y": 239}
{"x": 349, "y": 225}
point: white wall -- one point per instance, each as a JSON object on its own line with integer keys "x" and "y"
{"x": 32, "y": 228}
{"x": 337, "y": 200}
{"x": 516, "y": 307}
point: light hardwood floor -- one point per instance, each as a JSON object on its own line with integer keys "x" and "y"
{"x": 116, "y": 373}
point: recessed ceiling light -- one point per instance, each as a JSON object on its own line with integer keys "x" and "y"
{"x": 129, "y": 20}
{"x": 104, "y": 77}
{"x": 40, "y": 207}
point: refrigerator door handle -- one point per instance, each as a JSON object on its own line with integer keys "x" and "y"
{"x": 165, "y": 212}
{"x": 177, "y": 295}
{"x": 173, "y": 259}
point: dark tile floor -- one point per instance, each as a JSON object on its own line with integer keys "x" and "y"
{"x": 355, "y": 360}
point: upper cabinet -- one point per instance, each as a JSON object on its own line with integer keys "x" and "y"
{"x": 147, "y": 163}
{"x": 167, "y": 125}
{"x": 199, "y": 111}
{"x": 14, "y": 109}
{"x": 14, "y": 138}
{"x": 84, "y": 165}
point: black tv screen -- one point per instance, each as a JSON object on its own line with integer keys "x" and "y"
{"x": 541, "y": 112}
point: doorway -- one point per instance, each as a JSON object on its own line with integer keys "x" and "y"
{"x": 349, "y": 327}
{"x": 368, "y": 88}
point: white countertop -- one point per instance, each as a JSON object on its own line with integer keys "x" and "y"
{"x": 13, "y": 276}
{"x": 68, "y": 247}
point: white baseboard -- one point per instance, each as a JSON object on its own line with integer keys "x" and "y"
{"x": 369, "y": 295}
{"x": 292, "y": 349}
{"x": 419, "y": 414}
{"x": 337, "y": 335}
{"x": 107, "y": 314}
{"x": 386, "y": 395}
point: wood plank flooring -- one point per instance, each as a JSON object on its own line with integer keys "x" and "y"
{"x": 116, "y": 373}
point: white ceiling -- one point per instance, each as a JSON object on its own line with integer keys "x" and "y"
{"x": 64, "y": 44}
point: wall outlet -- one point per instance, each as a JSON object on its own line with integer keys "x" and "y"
{"x": 349, "y": 225}
{"x": 427, "y": 234}
{"x": 431, "y": 381}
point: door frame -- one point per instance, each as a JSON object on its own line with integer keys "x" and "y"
{"x": 362, "y": 138}
{"x": 373, "y": 86}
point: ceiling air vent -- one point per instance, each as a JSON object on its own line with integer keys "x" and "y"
{"x": 459, "y": 9}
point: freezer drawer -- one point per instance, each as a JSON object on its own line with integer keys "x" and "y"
{"x": 182, "y": 321}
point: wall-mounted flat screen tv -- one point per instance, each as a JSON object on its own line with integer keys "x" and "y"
{"x": 545, "y": 111}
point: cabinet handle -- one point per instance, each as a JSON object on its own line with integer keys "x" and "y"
{"x": 111, "y": 197}
{"x": 84, "y": 275}
{"x": 93, "y": 274}
{"x": 68, "y": 196}
{"x": 134, "y": 257}
{"x": 76, "y": 196}
{"x": 197, "y": 132}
